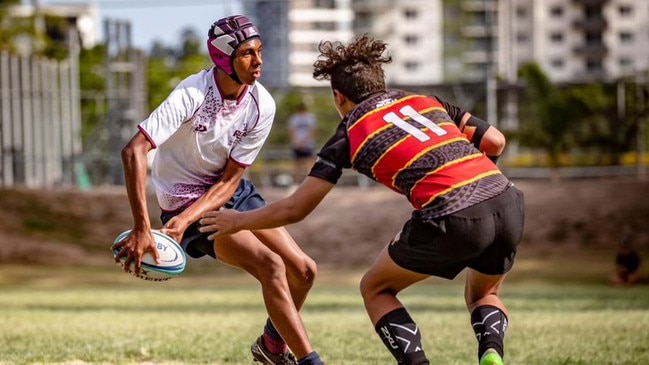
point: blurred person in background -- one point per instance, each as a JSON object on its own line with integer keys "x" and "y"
{"x": 627, "y": 263}
{"x": 302, "y": 128}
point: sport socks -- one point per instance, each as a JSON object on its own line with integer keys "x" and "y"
{"x": 311, "y": 359}
{"x": 400, "y": 334}
{"x": 272, "y": 340}
{"x": 489, "y": 324}
{"x": 274, "y": 343}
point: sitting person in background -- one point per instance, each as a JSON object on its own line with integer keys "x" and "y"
{"x": 627, "y": 264}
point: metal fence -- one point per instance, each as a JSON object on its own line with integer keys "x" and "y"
{"x": 40, "y": 126}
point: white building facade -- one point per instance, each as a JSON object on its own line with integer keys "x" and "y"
{"x": 576, "y": 40}
{"x": 441, "y": 41}
{"x": 310, "y": 22}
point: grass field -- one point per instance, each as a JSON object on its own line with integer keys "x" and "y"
{"x": 563, "y": 312}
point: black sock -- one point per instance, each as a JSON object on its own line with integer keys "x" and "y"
{"x": 270, "y": 330}
{"x": 401, "y": 336}
{"x": 489, "y": 324}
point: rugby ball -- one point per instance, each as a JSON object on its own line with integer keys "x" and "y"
{"x": 171, "y": 263}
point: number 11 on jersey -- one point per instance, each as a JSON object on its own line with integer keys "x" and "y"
{"x": 410, "y": 112}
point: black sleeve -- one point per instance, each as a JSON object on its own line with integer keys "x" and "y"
{"x": 333, "y": 157}
{"x": 453, "y": 111}
{"x": 480, "y": 125}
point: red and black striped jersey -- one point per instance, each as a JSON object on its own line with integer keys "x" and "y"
{"x": 411, "y": 144}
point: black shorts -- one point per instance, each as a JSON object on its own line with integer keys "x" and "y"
{"x": 194, "y": 242}
{"x": 483, "y": 237}
{"x": 300, "y": 153}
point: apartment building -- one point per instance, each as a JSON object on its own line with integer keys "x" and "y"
{"x": 441, "y": 41}
{"x": 576, "y": 40}
{"x": 292, "y": 30}
{"x": 413, "y": 30}
{"x": 271, "y": 17}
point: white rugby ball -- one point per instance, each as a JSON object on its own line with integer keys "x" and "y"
{"x": 171, "y": 263}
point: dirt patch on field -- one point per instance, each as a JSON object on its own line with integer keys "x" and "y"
{"x": 345, "y": 231}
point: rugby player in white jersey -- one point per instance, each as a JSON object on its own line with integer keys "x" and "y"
{"x": 205, "y": 134}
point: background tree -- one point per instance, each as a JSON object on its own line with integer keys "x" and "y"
{"x": 593, "y": 108}
{"x": 12, "y": 29}
{"x": 55, "y": 37}
{"x": 93, "y": 87}
{"x": 191, "y": 45}
{"x": 168, "y": 65}
{"x": 558, "y": 121}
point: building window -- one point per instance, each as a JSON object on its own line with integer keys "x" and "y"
{"x": 324, "y": 25}
{"x": 411, "y": 40}
{"x": 362, "y": 21}
{"x": 557, "y": 63}
{"x": 411, "y": 65}
{"x": 626, "y": 37}
{"x": 556, "y": 37}
{"x": 625, "y": 10}
{"x": 593, "y": 13}
{"x": 593, "y": 39}
{"x": 594, "y": 66}
{"x": 556, "y": 11}
{"x": 521, "y": 12}
{"x": 410, "y": 13}
{"x": 522, "y": 38}
{"x": 325, "y": 4}
{"x": 625, "y": 63}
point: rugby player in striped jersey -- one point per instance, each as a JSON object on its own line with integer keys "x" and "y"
{"x": 466, "y": 213}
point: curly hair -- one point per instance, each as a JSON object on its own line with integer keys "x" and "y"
{"x": 355, "y": 69}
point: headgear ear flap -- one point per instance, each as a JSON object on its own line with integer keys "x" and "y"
{"x": 223, "y": 38}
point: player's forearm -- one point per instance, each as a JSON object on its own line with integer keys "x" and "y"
{"x": 135, "y": 174}
{"x": 291, "y": 209}
{"x": 277, "y": 214}
{"x": 213, "y": 199}
{"x": 485, "y": 137}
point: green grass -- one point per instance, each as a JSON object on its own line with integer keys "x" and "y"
{"x": 98, "y": 316}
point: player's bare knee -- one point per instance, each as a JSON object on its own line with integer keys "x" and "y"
{"x": 303, "y": 274}
{"x": 271, "y": 266}
{"x": 310, "y": 271}
{"x": 368, "y": 288}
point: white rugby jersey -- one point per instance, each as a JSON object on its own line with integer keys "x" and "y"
{"x": 195, "y": 131}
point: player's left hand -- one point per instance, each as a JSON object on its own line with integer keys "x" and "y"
{"x": 220, "y": 222}
{"x": 174, "y": 228}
